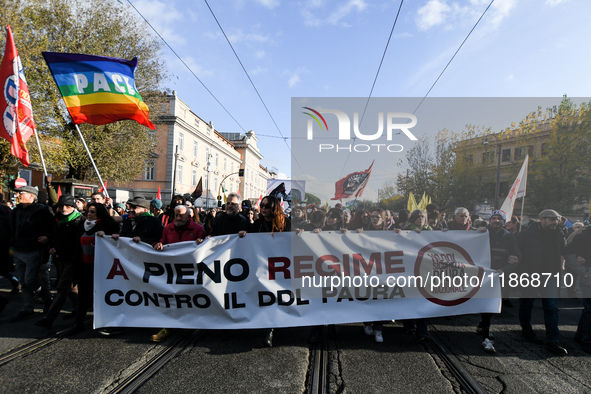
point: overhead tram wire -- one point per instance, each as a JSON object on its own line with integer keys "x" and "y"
{"x": 454, "y": 55}
{"x": 185, "y": 64}
{"x": 374, "y": 81}
{"x": 254, "y": 87}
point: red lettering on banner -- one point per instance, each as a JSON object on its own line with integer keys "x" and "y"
{"x": 117, "y": 269}
{"x": 273, "y": 268}
{"x": 389, "y": 261}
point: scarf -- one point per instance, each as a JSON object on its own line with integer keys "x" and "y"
{"x": 73, "y": 216}
{"x": 412, "y": 226}
{"x": 89, "y": 224}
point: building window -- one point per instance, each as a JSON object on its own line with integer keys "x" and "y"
{"x": 194, "y": 178}
{"x": 217, "y": 160}
{"x": 150, "y": 170}
{"x": 225, "y": 164}
{"x": 506, "y": 155}
{"x": 488, "y": 157}
{"x": 181, "y": 141}
{"x": 26, "y": 175}
{"x": 231, "y": 167}
{"x": 195, "y": 148}
{"x": 545, "y": 148}
{"x": 179, "y": 174}
{"x": 468, "y": 159}
{"x": 207, "y": 155}
{"x": 519, "y": 153}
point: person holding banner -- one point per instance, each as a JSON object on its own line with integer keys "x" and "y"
{"x": 141, "y": 225}
{"x": 417, "y": 222}
{"x": 98, "y": 222}
{"x": 230, "y": 221}
{"x": 504, "y": 256}
{"x": 181, "y": 230}
{"x": 377, "y": 222}
{"x": 272, "y": 220}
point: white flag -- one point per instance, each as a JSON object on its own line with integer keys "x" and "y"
{"x": 517, "y": 190}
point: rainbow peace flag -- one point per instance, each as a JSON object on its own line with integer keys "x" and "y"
{"x": 98, "y": 89}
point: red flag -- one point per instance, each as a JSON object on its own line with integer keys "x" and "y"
{"x": 159, "y": 195}
{"x": 17, "y": 113}
{"x": 352, "y": 185}
{"x": 102, "y": 190}
{"x": 258, "y": 204}
{"x": 59, "y": 192}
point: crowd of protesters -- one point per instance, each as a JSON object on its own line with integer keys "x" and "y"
{"x": 43, "y": 229}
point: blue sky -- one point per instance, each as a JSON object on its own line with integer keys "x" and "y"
{"x": 326, "y": 48}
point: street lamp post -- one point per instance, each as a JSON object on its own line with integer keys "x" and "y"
{"x": 498, "y": 183}
{"x": 208, "y": 169}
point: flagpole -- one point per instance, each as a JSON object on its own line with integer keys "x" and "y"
{"x": 40, "y": 152}
{"x": 92, "y": 160}
{"x": 522, "y": 204}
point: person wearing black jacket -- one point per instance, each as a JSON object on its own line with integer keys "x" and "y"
{"x": 580, "y": 247}
{"x": 141, "y": 225}
{"x": 98, "y": 223}
{"x": 542, "y": 246}
{"x": 65, "y": 248}
{"x": 272, "y": 220}
{"x": 6, "y": 264}
{"x": 504, "y": 256}
{"x": 32, "y": 226}
{"x": 230, "y": 221}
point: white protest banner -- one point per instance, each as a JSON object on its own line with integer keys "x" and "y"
{"x": 285, "y": 280}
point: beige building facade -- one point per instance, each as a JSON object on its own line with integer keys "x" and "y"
{"x": 188, "y": 150}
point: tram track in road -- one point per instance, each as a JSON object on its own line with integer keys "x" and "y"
{"x": 34, "y": 346}
{"x": 318, "y": 370}
{"x": 464, "y": 379}
{"x": 142, "y": 373}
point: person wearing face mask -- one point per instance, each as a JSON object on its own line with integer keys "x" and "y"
{"x": 65, "y": 249}
{"x": 98, "y": 222}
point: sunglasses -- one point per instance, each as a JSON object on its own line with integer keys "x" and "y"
{"x": 266, "y": 206}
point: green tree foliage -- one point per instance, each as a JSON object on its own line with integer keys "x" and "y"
{"x": 559, "y": 174}
{"x": 312, "y": 199}
{"x": 95, "y": 27}
{"x": 561, "y": 177}
{"x": 450, "y": 176}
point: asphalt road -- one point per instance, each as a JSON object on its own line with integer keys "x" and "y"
{"x": 236, "y": 360}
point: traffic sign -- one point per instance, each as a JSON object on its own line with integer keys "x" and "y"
{"x": 19, "y": 182}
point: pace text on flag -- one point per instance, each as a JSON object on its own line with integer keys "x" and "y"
{"x": 98, "y": 89}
